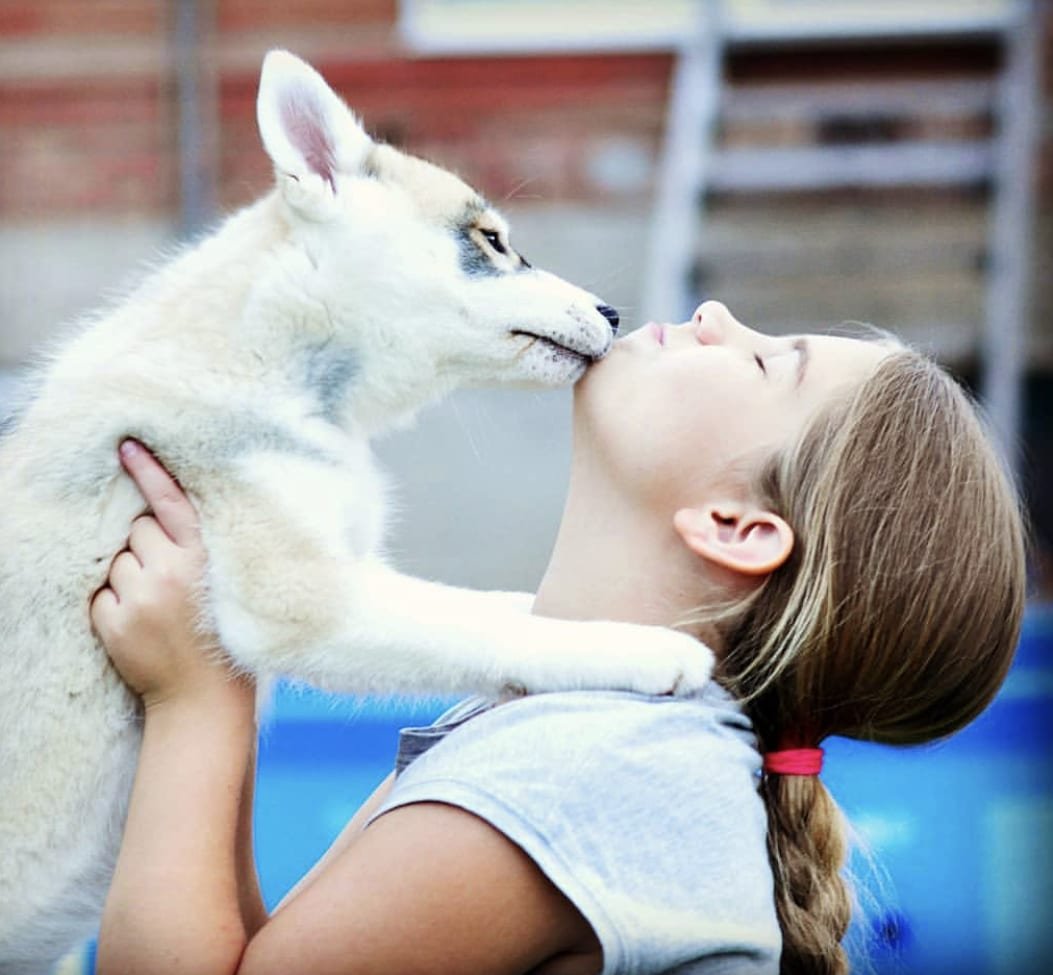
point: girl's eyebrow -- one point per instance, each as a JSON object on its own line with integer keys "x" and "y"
{"x": 800, "y": 346}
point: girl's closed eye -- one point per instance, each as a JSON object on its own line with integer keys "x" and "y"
{"x": 760, "y": 363}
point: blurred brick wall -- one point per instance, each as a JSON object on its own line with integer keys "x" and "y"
{"x": 87, "y": 103}
{"x": 533, "y": 122}
{"x": 77, "y": 17}
{"x": 87, "y": 96}
{"x": 254, "y": 14}
{"x": 95, "y": 139}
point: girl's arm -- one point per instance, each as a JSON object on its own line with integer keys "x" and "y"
{"x": 427, "y": 888}
{"x": 174, "y": 904}
{"x": 184, "y": 891}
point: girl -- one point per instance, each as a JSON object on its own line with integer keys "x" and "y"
{"x": 825, "y": 513}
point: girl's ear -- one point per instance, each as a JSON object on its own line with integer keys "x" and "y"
{"x": 308, "y": 132}
{"x": 735, "y": 536}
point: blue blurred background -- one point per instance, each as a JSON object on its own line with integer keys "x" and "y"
{"x": 809, "y": 162}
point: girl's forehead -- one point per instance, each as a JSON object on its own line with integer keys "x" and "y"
{"x": 829, "y": 353}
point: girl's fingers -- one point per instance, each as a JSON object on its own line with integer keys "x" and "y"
{"x": 148, "y": 540}
{"x": 124, "y": 570}
{"x": 169, "y": 504}
{"x": 103, "y": 601}
{"x": 103, "y": 608}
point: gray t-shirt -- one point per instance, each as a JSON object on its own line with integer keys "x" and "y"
{"x": 642, "y": 810}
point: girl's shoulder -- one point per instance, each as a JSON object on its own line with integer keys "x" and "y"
{"x": 642, "y": 810}
{"x": 597, "y": 726}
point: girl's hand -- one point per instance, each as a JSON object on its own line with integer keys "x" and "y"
{"x": 147, "y": 613}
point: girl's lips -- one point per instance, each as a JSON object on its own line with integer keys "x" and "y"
{"x": 657, "y": 331}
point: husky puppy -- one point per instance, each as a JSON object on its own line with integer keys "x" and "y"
{"x": 257, "y": 365}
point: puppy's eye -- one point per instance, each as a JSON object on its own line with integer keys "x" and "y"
{"x": 493, "y": 238}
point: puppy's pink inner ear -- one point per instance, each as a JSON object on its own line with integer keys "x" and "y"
{"x": 305, "y": 125}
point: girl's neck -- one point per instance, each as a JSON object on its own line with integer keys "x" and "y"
{"x": 612, "y": 560}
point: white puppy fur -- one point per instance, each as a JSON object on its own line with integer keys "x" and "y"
{"x": 257, "y": 365}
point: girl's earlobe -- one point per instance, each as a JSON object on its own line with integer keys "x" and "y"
{"x": 735, "y": 536}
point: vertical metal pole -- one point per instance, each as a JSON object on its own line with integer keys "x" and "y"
{"x": 1004, "y": 346}
{"x": 687, "y": 147}
{"x": 195, "y": 94}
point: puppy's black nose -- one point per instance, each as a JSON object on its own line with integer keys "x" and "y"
{"x": 610, "y": 314}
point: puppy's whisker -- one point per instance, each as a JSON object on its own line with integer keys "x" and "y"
{"x": 466, "y": 429}
{"x": 515, "y": 189}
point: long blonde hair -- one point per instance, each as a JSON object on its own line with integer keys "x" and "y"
{"x": 894, "y": 620}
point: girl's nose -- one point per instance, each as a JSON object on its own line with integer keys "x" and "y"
{"x": 714, "y": 324}
{"x": 711, "y": 322}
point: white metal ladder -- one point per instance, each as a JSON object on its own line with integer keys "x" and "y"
{"x": 692, "y": 164}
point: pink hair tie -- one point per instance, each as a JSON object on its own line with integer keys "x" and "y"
{"x": 794, "y": 761}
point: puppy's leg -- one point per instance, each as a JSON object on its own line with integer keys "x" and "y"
{"x": 375, "y": 630}
{"x": 289, "y": 598}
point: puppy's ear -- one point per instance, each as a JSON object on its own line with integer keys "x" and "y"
{"x": 309, "y": 133}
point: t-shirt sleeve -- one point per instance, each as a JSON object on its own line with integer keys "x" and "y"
{"x": 642, "y": 810}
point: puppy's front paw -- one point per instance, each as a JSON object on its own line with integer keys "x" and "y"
{"x": 515, "y": 602}
{"x": 561, "y": 655}
{"x": 682, "y": 665}
{"x": 650, "y": 660}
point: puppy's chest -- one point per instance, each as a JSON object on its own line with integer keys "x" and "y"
{"x": 330, "y": 485}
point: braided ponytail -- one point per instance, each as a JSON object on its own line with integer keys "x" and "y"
{"x": 806, "y": 847}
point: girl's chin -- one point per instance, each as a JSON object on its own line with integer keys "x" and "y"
{"x": 605, "y": 381}
{"x": 593, "y": 377}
